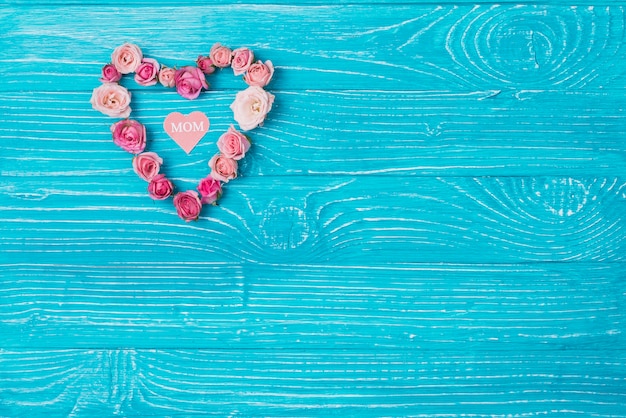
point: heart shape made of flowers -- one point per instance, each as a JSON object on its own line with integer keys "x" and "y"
{"x": 250, "y": 108}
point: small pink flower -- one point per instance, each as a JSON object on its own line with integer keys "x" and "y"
{"x": 147, "y": 165}
{"x": 129, "y": 135}
{"x": 221, "y": 55}
{"x": 189, "y": 82}
{"x": 233, "y": 144}
{"x": 148, "y": 72}
{"x": 223, "y": 168}
{"x": 205, "y": 64}
{"x": 251, "y": 106}
{"x": 210, "y": 190}
{"x": 110, "y": 74}
{"x": 188, "y": 205}
{"x": 112, "y": 100}
{"x": 160, "y": 188}
{"x": 259, "y": 74}
{"x": 166, "y": 76}
{"x": 242, "y": 59}
{"x": 126, "y": 58}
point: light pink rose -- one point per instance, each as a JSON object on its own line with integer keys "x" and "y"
{"x": 110, "y": 74}
{"x": 223, "y": 168}
{"x": 210, "y": 190}
{"x": 205, "y": 64}
{"x": 190, "y": 81}
{"x": 233, "y": 144}
{"x": 188, "y": 205}
{"x": 242, "y": 59}
{"x": 147, "y": 165}
{"x": 160, "y": 188}
{"x": 129, "y": 135}
{"x": 148, "y": 72}
{"x": 126, "y": 58}
{"x": 166, "y": 76}
{"x": 259, "y": 74}
{"x": 221, "y": 55}
{"x": 112, "y": 100}
{"x": 251, "y": 106}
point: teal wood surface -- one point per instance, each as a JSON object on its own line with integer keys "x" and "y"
{"x": 431, "y": 222}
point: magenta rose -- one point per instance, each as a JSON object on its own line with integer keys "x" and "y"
{"x": 160, "y": 188}
{"x": 259, "y": 74}
{"x": 223, "y": 168}
{"x": 112, "y": 100}
{"x": 233, "y": 144}
{"x": 210, "y": 190}
{"x": 205, "y": 64}
{"x": 251, "y": 106}
{"x": 148, "y": 72}
{"x": 242, "y": 59}
{"x": 147, "y": 165}
{"x": 166, "y": 76}
{"x": 190, "y": 81}
{"x": 129, "y": 135}
{"x": 126, "y": 58}
{"x": 188, "y": 205}
{"x": 220, "y": 55}
{"x": 110, "y": 74}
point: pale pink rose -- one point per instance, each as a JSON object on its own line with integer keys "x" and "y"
{"x": 126, "y": 58}
{"x": 112, "y": 100}
{"x": 190, "y": 81}
{"x": 259, "y": 74}
{"x": 233, "y": 144}
{"x": 220, "y": 55}
{"x": 188, "y": 205}
{"x": 242, "y": 59}
{"x": 110, "y": 74}
{"x": 129, "y": 135}
{"x": 210, "y": 190}
{"x": 205, "y": 64}
{"x": 147, "y": 165}
{"x": 166, "y": 76}
{"x": 223, "y": 168}
{"x": 251, "y": 106}
{"x": 148, "y": 72}
{"x": 160, "y": 188}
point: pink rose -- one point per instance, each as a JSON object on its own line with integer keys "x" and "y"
{"x": 233, "y": 144}
{"x": 110, "y": 74}
{"x": 126, "y": 58}
{"x": 188, "y": 205}
{"x": 112, "y": 100}
{"x": 242, "y": 59}
{"x": 129, "y": 135}
{"x": 251, "y": 106}
{"x": 223, "y": 168}
{"x": 205, "y": 64}
{"x": 189, "y": 82}
{"x": 210, "y": 190}
{"x": 160, "y": 188}
{"x": 259, "y": 74}
{"x": 148, "y": 72}
{"x": 147, "y": 165}
{"x": 220, "y": 55}
{"x": 166, "y": 76}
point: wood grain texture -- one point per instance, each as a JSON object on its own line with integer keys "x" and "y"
{"x": 430, "y": 223}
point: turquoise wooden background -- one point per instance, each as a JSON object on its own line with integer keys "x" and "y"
{"x": 431, "y": 223}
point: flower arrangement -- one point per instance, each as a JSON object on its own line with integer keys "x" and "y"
{"x": 250, "y": 108}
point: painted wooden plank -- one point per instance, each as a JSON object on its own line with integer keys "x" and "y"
{"x": 322, "y": 219}
{"x": 311, "y": 383}
{"x": 391, "y": 47}
{"x": 434, "y": 307}
{"x": 481, "y": 133}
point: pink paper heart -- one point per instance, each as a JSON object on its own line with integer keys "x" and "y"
{"x": 188, "y": 130}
